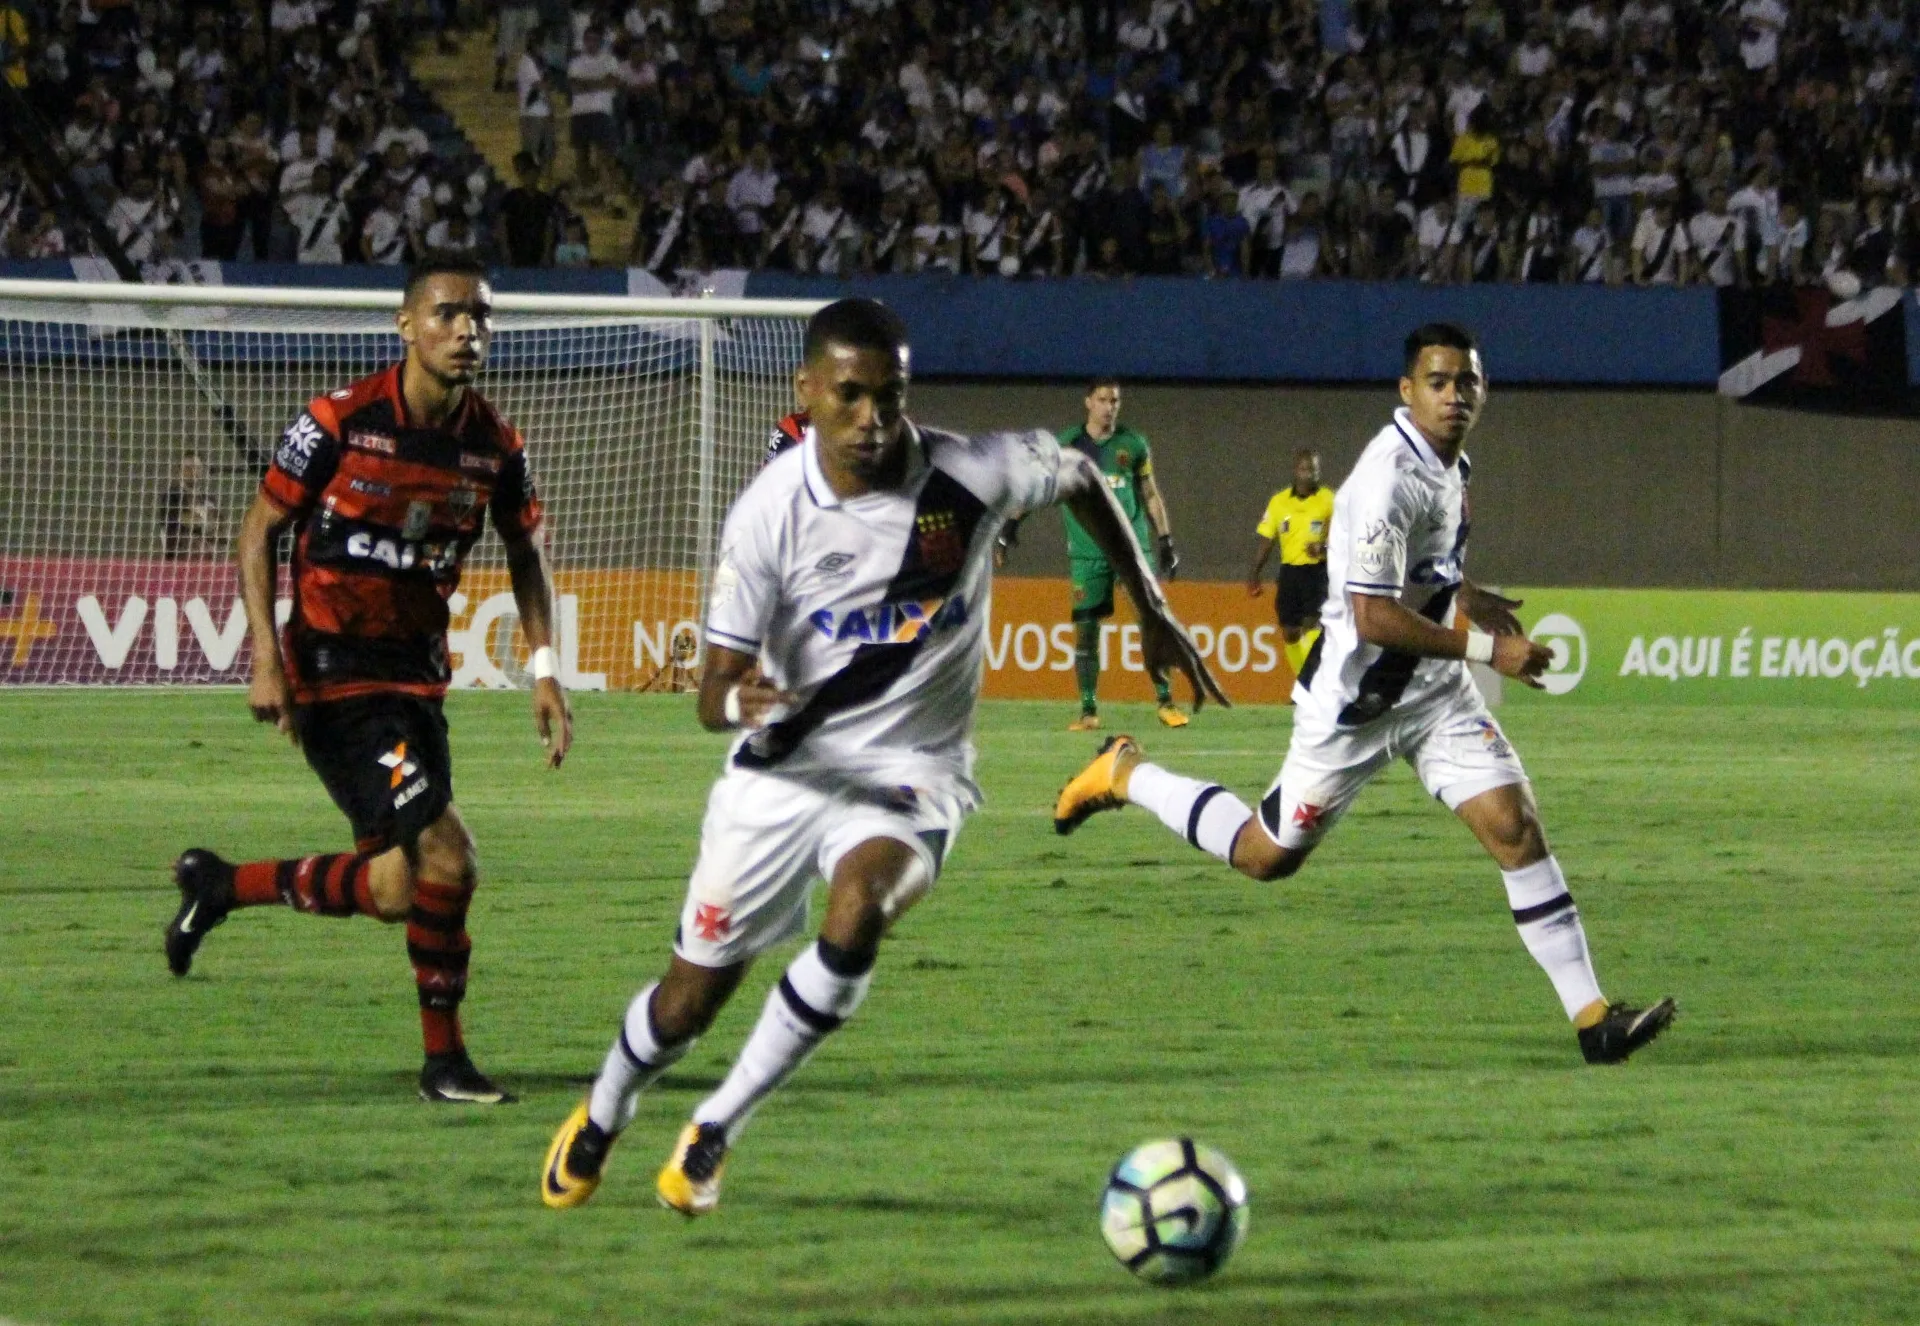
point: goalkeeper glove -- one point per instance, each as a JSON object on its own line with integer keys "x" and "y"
{"x": 1169, "y": 558}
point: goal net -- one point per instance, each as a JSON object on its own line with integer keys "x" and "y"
{"x": 135, "y": 423}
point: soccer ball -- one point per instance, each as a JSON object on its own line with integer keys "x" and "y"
{"x": 1174, "y": 1211}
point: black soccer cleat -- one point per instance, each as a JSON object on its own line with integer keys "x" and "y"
{"x": 206, "y": 896}
{"x": 452, "y": 1079}
{"x": 1624, "y": 1030}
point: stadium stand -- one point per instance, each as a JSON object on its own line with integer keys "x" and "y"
{"x": 1652, "y": 142}
{"x": 292, "y": 132}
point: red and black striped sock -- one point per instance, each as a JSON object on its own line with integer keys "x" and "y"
{"x": 333, "y": 884}
{"x": 438, "y": 946}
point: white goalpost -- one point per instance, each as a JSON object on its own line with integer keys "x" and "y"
{"x": 135, "y": 423}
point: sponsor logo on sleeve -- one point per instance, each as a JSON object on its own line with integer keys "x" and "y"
{"x": 298, "y": 444}
{"x": 1379, "y": 552}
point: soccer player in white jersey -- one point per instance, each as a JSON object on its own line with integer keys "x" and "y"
{"x": 845, "y": 636}
{"x": 1388, "y": 678}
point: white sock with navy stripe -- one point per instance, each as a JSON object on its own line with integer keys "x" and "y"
{"x": 1549, "y": 926}
{"x": 820, "y": 990}
{"x": 1205, "y": 814}
{"x": 635, "y": 1060}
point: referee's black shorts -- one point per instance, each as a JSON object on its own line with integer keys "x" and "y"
{"x": 1302, "y": 593}
{"x": 385, "y": 761}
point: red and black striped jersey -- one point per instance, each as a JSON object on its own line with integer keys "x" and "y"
{"x": 789, "y": 432}
{"x": 385, "y": 510}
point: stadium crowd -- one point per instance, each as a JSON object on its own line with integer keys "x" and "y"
{"x": 1652, "y": 141}
{"x": 287, "y": 131}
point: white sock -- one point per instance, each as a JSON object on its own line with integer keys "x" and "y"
{"x": 1549, "y": 926}
{"x": 810, "y": 1001}
{"x": 1205, "y": 814}
{"x": 634, "y": 1061}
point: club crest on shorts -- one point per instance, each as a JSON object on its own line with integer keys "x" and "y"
{"x": 1497, "y": 744}
{"x": 1307, "y": 818}
{"x": 712, "y": 922}
{"x": 461, "y": 501}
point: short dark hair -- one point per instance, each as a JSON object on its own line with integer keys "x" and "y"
{"x": 1305, "y": 453}
{"x": 1104, "y": 380}
{"x": 858, "y": 324}
{"x": 441, "y": 264}
{"x": 1449, "y": 334}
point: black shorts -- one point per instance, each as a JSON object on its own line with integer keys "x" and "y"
{"x": 384, "y": 761}
{"x": 1302, "y": 593}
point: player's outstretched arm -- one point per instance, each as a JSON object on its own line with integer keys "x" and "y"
{"x": 533, "y": 599}
{"x": 269, "y": 695}
{"x": 734, "y": 693}
{"x": 1165, "y": 645}
{"x": 1390, "y": 624}
{"x": 1490, "y": 611}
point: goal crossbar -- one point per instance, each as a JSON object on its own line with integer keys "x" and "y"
{"x": 296, "y": 297}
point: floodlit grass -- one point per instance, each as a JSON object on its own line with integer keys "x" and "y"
{"x": 1369, "y": 1042}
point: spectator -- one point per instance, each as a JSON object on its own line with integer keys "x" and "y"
{"x": 1226, "y": 238}
{"x": 751, "y": 192}
{"x": 1785, "y": 259}
{"x": 1714, "y": 234}
{"x": 936, "y": 245}
{"x": 319, "y": 218}
{"x": 1167, "y": 234}
{"x": 536, "y": 108}
{"x": 592, "y": 76}
{"x": 384, "y": 236}
{"x": 144, "y": 219}
{"x": 1474, "y": 155}
{"x": 572, "y": 250}
{"x": 1266, "y": 204}
{"x": 525, "y": 232}
{"x": 1304, "y": 256}
{"x": 518, "y": 22}
{"x": 1662, "y": 253}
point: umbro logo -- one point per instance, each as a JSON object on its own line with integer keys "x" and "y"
{"x": 835, "y": 562}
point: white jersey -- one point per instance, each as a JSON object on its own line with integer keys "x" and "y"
{"x": 1399, "y": 531}
{"x": 873, "y": 609}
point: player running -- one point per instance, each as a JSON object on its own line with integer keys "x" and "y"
{"x": 1387, "y": 678}
{"x": 844, "y": 643}
{"x": 387, "y": 483}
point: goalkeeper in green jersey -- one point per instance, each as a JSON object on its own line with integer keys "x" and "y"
{"x": 1122, "y": 455}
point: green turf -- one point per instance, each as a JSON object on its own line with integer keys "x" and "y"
{"x": 1368, "y": 1041}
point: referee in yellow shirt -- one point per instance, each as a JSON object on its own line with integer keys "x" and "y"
{"x": 1297, "y": 520}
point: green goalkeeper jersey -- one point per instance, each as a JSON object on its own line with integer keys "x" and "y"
{"x": 1123, "y": 460}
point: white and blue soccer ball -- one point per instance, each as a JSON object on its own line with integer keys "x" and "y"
{"x": 1174, "y": 1211}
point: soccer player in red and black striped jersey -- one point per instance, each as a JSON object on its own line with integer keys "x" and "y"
{"x": 387, "y": 484}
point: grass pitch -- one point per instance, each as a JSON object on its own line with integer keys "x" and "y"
{"x": 1368, "y": 1041}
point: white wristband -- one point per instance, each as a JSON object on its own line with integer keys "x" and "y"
{"x": 1479, "y": 647}
{"x": 732, "y": 706}
{"x": 544, "y": 664}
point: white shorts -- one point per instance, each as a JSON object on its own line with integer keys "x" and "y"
{"x": 766, "y": 840}
{"x": 1454, "y": 746}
